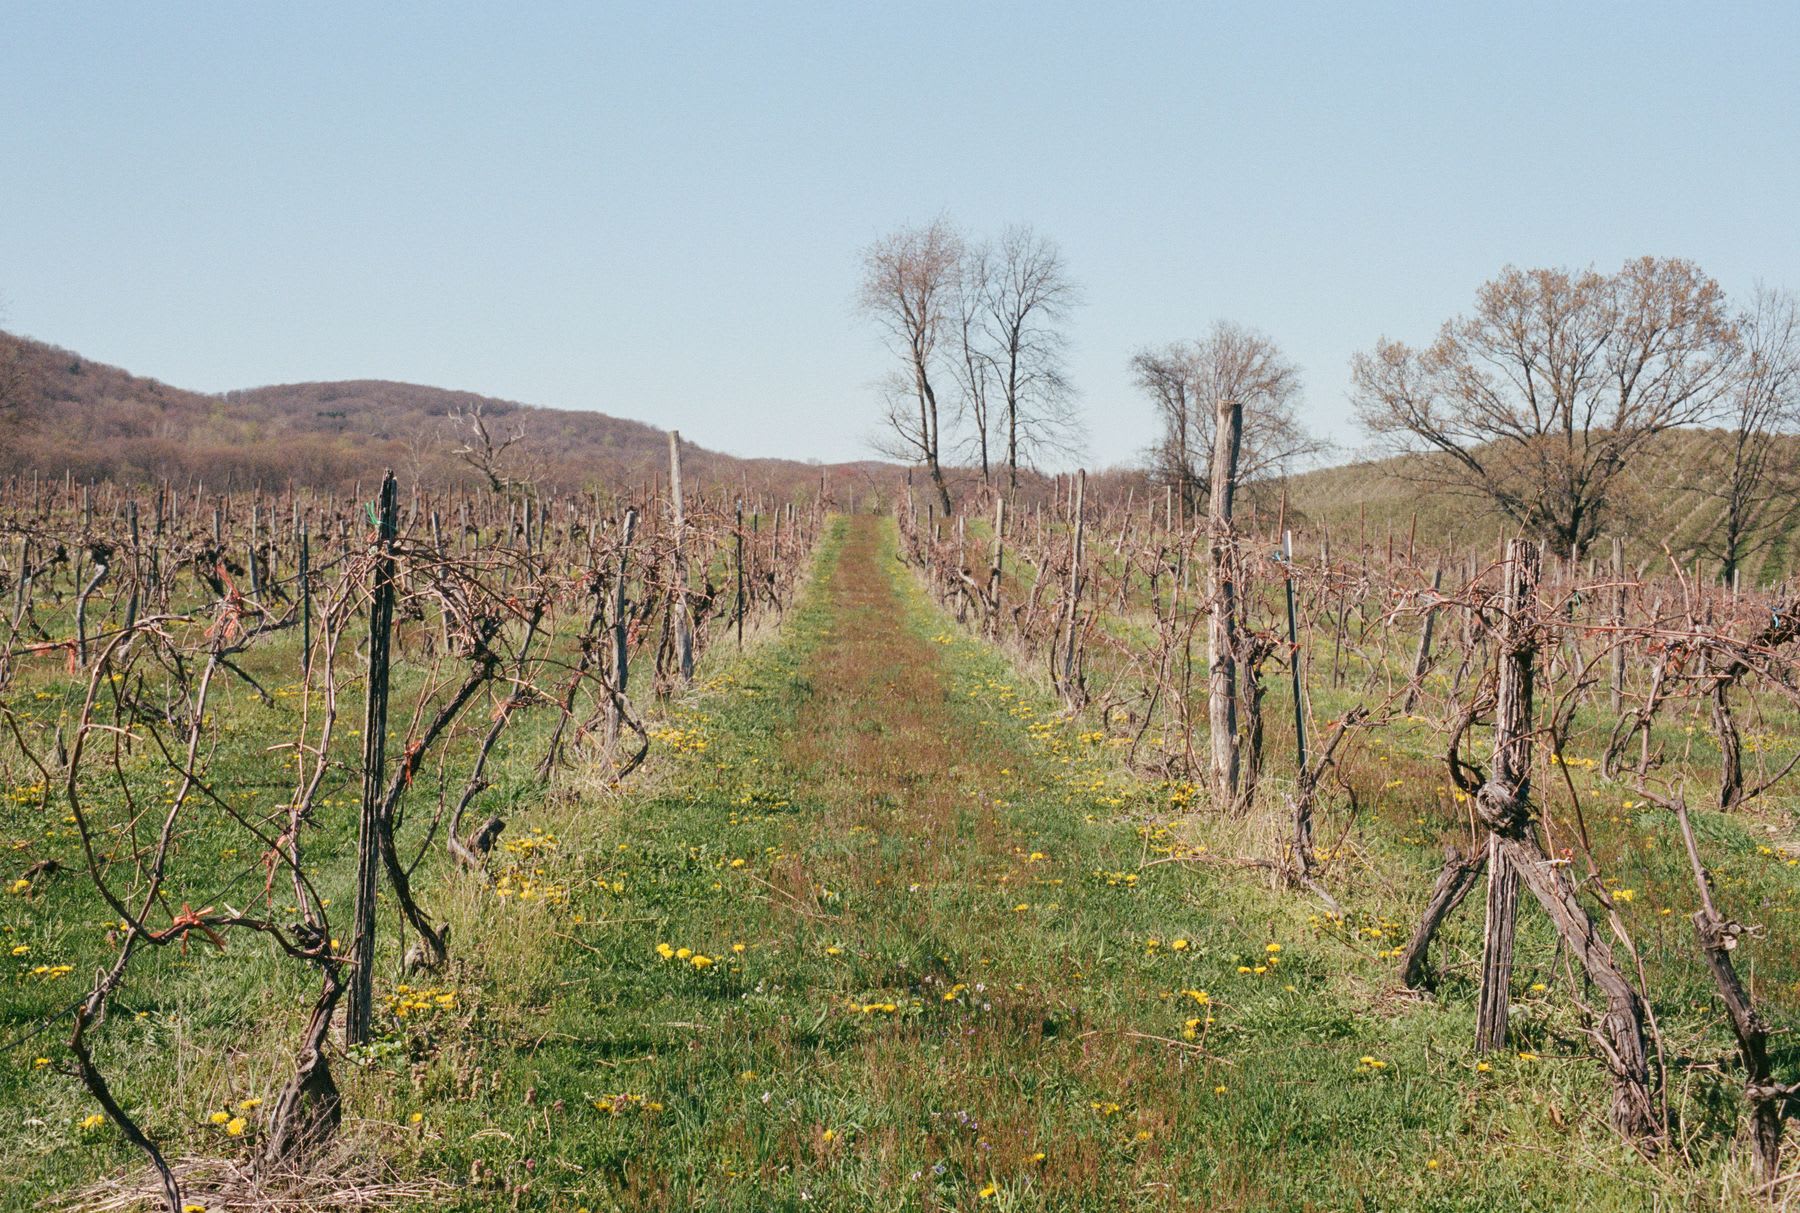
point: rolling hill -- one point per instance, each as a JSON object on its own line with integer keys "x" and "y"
{"x": 1666, "y": 508}
{"x": 61, "y": 412}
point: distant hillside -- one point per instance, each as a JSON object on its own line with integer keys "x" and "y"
{"x": 60, "y": 412}
{"x": 1661, "y": 504}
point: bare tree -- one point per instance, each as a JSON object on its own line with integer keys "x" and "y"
{"x": 909, "y": 286}
{"x": 1543, "y": 398}
{"x": 1187, "y": 380}
{"x": 1752, "y": 471}
{"x": 493, "y": 458}
{"x": 1028, "y": 295}
{"x": 973, "y": 363}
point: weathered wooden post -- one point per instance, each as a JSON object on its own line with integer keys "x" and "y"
{"x": 368, "y": 842}
{"x": 1618, "y": 619}
{"x": 1293, "y": 632}
{"x": 1503, "y": 802}
{"x": 305, "y": 603}
{"x": 255, "y": 571}
{"x": 678, "y": 595}
{"x": 737, "y": 539}
{"x": 996, "y": 567}
{"x": 137, "y": 565}
{"x": 620, "y": 628}
{"x": 1071, "y": 675}
{"x": 1221, "y": 632}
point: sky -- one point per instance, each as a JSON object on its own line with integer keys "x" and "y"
{"x": 659, "y": 210}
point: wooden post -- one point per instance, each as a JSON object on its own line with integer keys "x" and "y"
{"x": 1287, "y": 561}
{"x": 1503, "y": 802}
{"x": 368, "y": 842}
{"x": 131, "y": 607}
{"x": 678, "y": 595}
{"x": 1221, "y": 633}
{"x": 1618, "y": 646}
{"x": 1071, "y": 675}
{"x": 620, "y": 625}
{"x": 737, "y": 539}
{"x": 255, "y": 573}
{"x": 1303, "y": 832}
{"x": 996, "y": 568}
{"x": 305, "y": 604}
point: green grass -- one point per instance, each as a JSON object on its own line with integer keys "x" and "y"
{"x": 883, "y": 813}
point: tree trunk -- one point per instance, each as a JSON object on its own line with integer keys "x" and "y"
{"x": 1454, "y": 881}
{"x": 1621, "y": 1034}
{"x": 1422, "y": 660}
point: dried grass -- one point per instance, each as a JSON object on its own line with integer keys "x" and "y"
{"x": 353, "y": 1174}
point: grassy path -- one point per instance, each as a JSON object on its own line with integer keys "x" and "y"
{"x": 886, "y": 938}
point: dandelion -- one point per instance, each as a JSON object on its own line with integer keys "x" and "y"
{"x": 1178, "y": 945}
{"x": 90, "y": 1123}
{"x": 665, "y": 951}
{"x": 219, "y": 1118}
{"x": 1219, "y": 1090}
{"x": 415, "y": 1118}
{"x": 236, "y": 1126}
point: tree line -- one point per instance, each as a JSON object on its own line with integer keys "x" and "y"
{"x": 1541, "y": 401}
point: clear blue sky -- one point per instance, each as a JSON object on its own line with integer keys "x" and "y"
{"x": 656, "y": 210}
